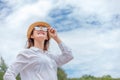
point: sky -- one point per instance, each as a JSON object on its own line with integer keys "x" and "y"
{"x": 91, "y": 28}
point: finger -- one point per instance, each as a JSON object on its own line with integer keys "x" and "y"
{"x": 52, "y": 30}
{"x": 49, "y": 29}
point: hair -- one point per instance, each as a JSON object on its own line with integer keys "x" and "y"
{"x": 30, "y": 42}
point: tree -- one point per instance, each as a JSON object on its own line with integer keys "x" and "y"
{"x": 87, "y": 77}
{"x": 3, "y": 66}
{"x": 106, "y": 77}
{"x": 61, "y": 74}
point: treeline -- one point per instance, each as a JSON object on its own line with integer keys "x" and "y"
{"x": 89, "y": 77}
{"x": 61, "y": 74}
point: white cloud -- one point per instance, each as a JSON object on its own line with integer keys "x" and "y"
{"x": 94, "y": 52}
{"x": 35, "y": 11}
{"x": 14, "y": 26}
{"x": 95, "y": 49}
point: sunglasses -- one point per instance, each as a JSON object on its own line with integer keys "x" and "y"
{"x": 38, "y": 28}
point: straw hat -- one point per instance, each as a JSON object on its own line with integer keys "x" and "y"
{"x": 31, "y": 27}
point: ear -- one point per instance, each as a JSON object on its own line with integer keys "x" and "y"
{"x": 31, "y": 36}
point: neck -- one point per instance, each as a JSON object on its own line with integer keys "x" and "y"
{"x": 39, "y": 45}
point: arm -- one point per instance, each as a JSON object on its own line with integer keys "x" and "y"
{"x": 66, "y": 55}
{"x": 15, "y": 68}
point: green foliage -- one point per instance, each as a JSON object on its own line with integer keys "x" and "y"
{"x": 61, "y": 74}
{"x": 1, "y": 75}
{"x": 3, "y": 66}
{"x": 89, "y": 77}
{"x": 106, "y": 77}
{"x": 18, "y": 77}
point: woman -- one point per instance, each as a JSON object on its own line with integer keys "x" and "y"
{"x": 35, "y": 62}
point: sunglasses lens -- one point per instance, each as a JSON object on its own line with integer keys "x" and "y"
{"x": 40, "y": 28}
{"x": 44, "y": 29}
{"x": 37, "y": 28}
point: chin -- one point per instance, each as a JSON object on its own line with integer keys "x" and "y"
{"x": 41, "y": 39}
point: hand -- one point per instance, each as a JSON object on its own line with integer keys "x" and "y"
{"x": 53, "y": 34}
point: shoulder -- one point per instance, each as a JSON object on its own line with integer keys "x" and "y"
{"x": 26, "y": 53}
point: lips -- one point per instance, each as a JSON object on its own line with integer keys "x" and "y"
{"x": 41, "y": 33}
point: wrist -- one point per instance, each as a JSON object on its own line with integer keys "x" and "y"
{"x": 57, "y": 39}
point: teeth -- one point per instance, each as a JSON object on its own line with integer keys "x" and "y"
{"x": 41, "y": 33}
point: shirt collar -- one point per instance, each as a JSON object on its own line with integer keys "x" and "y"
{"x": 37, "y": 49}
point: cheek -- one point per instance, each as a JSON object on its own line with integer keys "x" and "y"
{"x": 34, "y": 34}
{"x": 46, "y": 35}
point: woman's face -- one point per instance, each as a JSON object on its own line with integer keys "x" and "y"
{"x": 39, "y": 33}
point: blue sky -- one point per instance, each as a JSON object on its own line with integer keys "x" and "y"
{"x": 90, "y": 28}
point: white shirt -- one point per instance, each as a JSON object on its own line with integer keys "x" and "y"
{"x": 34, "y": 64}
